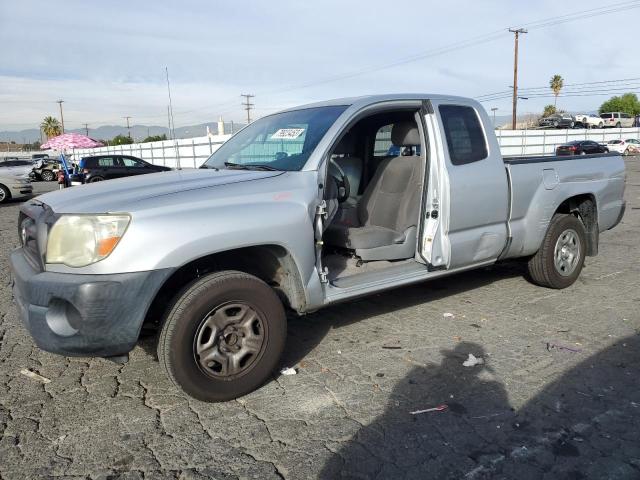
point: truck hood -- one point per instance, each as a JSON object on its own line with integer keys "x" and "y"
{"x": 122, "y": 194}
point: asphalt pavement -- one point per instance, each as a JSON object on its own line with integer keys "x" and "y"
{"x": 556, "y": 396}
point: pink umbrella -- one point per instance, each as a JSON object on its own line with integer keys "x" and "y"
{"x": 69, "y": 141}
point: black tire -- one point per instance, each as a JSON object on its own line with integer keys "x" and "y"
{"x": 542, "y": 266}
{"x": 182, "y": 331}
{"x": 97, "y": 178}
{"x": 618, "y": 125}
{"x": 47, "y": 176}
{"x": 5, "y": 194}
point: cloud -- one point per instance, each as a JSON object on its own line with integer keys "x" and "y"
{"x": 107, "y": 59}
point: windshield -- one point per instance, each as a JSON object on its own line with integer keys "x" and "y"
{"x": 282, "y": 141}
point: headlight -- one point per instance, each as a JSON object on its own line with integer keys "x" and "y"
{"x": 80, "y": 240}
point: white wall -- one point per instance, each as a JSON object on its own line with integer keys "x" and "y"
{"x": 544, "y": 142}
{"x": 188, "y": 152}
{"x": 192, "y": 152}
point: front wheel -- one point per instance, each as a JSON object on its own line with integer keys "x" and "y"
{"x": 559, "y": 261}
{"x": 47, "y": 176}
{"x": 223, "y": 337}
{"x": 5, "y": 194}
{"x": 96, "y": 179}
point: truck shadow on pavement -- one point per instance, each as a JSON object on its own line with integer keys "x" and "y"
{"x": 585, "y": 424}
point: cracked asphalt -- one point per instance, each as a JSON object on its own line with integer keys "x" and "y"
{"x": 558, "y": 394}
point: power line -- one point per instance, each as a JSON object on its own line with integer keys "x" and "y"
{"x": 248, "y": 105}
{"x": 613, "y": 83}
{"x": 606, "y": 91}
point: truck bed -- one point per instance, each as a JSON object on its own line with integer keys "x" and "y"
{"x": 538, "y": 185}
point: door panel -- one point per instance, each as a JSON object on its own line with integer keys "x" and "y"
{"x": 434, "y": 247}
{"x": 478, "y": 202}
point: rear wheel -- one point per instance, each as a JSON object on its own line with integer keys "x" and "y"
{"x": 601, "y": 125}
{"x": 560, "y": 259}
{"x": 5, "y": 194}
{"x": 47, "y": 176}
{"x": 96, "y": 179}
{"x": 223, "y": 337}
{"x": 618, "y": 125}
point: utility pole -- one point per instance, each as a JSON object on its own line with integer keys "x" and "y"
{"x": 128, "y": 127}
{"x": 247, "y": 105}
{"x": 60, "y": 102}
{"x": 86, "y": 128}
{"x": 493, "y": 109}
{"x": 516, "y": 32}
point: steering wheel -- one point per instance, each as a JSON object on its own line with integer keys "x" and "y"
{"x": 342, "y": 182}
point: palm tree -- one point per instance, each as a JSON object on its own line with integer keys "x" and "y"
{"x": 556, "y": 83}
{"x": 51, "y": 127}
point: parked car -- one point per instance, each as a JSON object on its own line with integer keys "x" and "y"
{"x": 588, "y": 120}
{"x": 633, "y": 146}
{"x": 212, "y": 256}
{"x": 47, "y": 169}
{"x": 617, "y": 119}
{"x": 581, "y": 147}
{"x": 557, "y": 120}
{"x": 19, "y": 167}
{"x": 39, "y": 156}
{"x": 106, "y": 167}
{"x": 14, "y": 185}
{"x": 626, "y": 147}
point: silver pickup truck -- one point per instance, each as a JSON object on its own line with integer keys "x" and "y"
{"x": 299, "y": 210}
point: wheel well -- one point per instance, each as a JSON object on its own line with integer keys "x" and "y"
{"x": 272, "y": 264}
{"x": 584, "y": 207}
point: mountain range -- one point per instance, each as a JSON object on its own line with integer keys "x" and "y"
{"x": 138, "y": 132}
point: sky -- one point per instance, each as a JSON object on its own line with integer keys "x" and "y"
{"x": 107, "y": 60}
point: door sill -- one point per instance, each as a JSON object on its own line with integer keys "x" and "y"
{"x": 365, "y": 283}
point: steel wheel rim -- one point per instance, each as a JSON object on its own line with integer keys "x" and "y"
{"x": 3, "y": 195}
{"x": 566, "y": 253}
{"x": 229, "y": 340}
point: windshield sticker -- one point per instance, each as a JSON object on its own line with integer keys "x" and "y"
{"x": 288, "y": 133}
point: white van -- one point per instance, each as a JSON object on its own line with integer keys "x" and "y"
{"x": 617, "y": 119}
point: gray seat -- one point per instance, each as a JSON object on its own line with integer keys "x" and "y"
{"x": 385, "y": 222}
{"x": 350, "y": 164}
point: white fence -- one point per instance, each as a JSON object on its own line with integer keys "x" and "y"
{"x": 185, "y": 152}
{"x": 544, "y": 142}
{"x": 192, "y": 152}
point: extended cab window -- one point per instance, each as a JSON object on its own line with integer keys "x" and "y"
{"x": 383, "y": 146}
{"x": 464, "y": 134}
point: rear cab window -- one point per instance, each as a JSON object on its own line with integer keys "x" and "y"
{"x": 465, "y": 137}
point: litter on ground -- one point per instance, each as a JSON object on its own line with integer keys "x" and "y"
{"x": 34, "y": 376}
{"x": 439, "y": 408}
{"x": 448, "y": 315}
{"x": 288, "y": 371}
{"x": 472, "y": 361}
{"x": 562, "y": 347}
